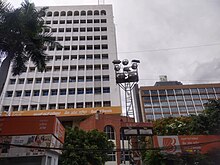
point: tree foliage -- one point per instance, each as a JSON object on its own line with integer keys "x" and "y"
{"x": 85, "y": 148}
{"x": 206, "y": 123}
{"x": 156, "y": 157}
{"x": 172, "y": 126}
{"x": 22, "y": 38}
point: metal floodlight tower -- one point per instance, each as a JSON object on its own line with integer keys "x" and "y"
{"x": 127, "y": 77}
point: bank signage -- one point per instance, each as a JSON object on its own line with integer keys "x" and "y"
{"x": 187, "y": 143}
{"x": 67, "y": 112}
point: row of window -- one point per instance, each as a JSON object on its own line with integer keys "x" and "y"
{"x": 159, "y": 116}
{"x": 75, "y": 67}
{"x": 81, "y": 38}
{"x": 72, "y": 68}
{"x": 195, "y": 101}
{"x": 76, "y": 21}
{"x": 173, "y": 103}
{"x": 75, "y": 13}
{"x": 82, "y": 29}
{"x": 59, "y": 106}
{"x": 179, "y": 98}
{"x": 182, "y": 91}
{"x": 70, "y": 91}
{"x": 77, "y": 47}
{"x": 61, "y": 79}
{"x": 79, "y": 57}
{"x": 174, "y": 109}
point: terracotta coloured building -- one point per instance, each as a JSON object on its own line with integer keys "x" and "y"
{"x": 113, "y": 125}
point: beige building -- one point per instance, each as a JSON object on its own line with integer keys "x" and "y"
{"x": 79, "y": 75}
{"x": 172, "y": 98}
{"x": 79, "y": 79}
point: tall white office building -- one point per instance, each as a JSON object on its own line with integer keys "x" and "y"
{"x": 78, "y": 75}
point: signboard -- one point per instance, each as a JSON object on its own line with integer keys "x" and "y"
{"x": 31, "y": 125}
{"x": 27, "y": 140}
{"x": 59, "y": 131}
{"x": 137, "y": 132}
{"x": 137, "y": 125}
{"x": 189, "y": 144}
{"x": 67, "y": 112}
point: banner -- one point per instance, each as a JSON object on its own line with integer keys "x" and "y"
{"x": 66, "y": 112}
{"x": 28, "y": 140}
{"x": 31, "y": 125}
{"x": 187, "y": 143}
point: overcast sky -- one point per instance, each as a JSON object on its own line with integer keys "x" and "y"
{"x": 177, "y": 38}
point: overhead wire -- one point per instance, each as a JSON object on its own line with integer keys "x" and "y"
{"x": 168, "y": 49}
{"x": 116, "y": 149}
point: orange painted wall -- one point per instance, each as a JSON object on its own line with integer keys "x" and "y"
{"x": 31, "y": 125}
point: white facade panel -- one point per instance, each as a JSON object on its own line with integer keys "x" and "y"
{"x": 76, "y": 75}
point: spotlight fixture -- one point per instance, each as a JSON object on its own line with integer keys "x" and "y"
{"x": 125, "y": 62}
{"x": 126, "y": 69}
{"x": 117, "y": 67}
{"x": 116, "y": 62}
{"x": 137, "y": 61}
{"x": 126, "y": 73}
{"x": 134, "y": 65}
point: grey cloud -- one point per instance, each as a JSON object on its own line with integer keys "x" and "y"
{"x": 143, "y": 25}
{"x": 154, "y": 24}
{"x": 208, "y": 71}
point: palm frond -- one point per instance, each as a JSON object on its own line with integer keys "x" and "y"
{"x": 5, "y": 7}
{"x": 23, "y": 38}
{"x": 19, "y": 62}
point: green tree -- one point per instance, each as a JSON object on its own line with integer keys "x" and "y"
{"x": 212, "y": 111}
{"x": 85, "y": 148}
{"x": 152, "y": 157}
{"x": 172, "y": 126}
{"x": 206, "y": 123}
{"x": 22, "y": 38}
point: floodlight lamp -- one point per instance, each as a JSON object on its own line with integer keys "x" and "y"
{"x": 117, "y": 67}
{"x": 125, "y": 62}
{"x": 133, "y": 76}
{"x": 120, "y": 78}
{"x": 120, "y": 75}
{"x": 126, "y": 69}
{"x": 116, "y": 62}
{"x": 133, "y": 73}
{"x": 134, "y": 65}
{"x": 136, "y": 61}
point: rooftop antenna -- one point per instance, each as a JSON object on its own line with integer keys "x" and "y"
{"x": 102, "y": 2}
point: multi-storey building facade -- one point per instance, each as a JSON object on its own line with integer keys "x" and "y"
{"x": 172, "y": 98}
{"x": 79, "y": 74}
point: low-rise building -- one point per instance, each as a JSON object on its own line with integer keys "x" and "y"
{"x": 172, "y": 98}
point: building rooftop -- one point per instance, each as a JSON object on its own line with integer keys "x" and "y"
{"x": 167, "y": 83}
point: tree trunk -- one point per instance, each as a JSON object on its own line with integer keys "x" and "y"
{"x": 4, "y": 72}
